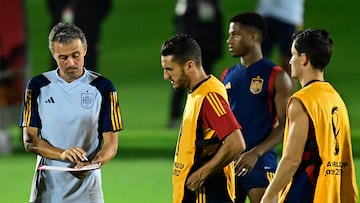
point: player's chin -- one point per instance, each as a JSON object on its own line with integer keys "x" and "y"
{"x": 177, "y": 87}
{"x": 234, "y": 54}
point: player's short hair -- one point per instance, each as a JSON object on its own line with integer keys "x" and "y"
{"x": 316, "y": 44}
{"x": 65, "y": 33}
{"x": 251, "y": 19}
{"x": 183, "y": 48}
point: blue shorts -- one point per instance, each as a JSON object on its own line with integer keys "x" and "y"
{"x": 278, "y": 33}
{"x": 301, "y": 190}
{"x": 260, "y": 176}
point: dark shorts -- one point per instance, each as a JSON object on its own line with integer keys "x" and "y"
{"x": 301, "y": 190}
{"x": 278, "y": 33}
{"x": 260, "y": 176}
{"x": 214, "y": 190}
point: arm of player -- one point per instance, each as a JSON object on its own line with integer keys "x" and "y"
{"x": 33, "y": 143}
{"x": 106, "y": 153}
{"x": 283, "y": 90}
{"x": 108, "y": 149}
{"x": 232, "y": 145}
{"x": 292, "y": 156}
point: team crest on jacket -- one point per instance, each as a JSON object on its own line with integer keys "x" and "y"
{"x": 87, "y": 100}
{"x": 256, "y": 85}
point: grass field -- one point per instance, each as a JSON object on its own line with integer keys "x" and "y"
{"x": 127, "y": 180}
{"x": 131, "y": 40}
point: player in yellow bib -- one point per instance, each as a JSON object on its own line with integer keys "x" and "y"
{"x": 210, "y": 136}
{"x": 317, "y": 163}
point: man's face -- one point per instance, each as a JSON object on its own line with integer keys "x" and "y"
{"x": 70, "y": 59}
{"x": 295, "y": 62}
{"x": 174, "y": 73}
{"x": 239, "y": 40}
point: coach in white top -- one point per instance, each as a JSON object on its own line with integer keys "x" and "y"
{"x": 291, "y": 12}
{"x": 71, "y": 118}
{"x": 283, "y": 18}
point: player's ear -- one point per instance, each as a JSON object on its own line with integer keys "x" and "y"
{"x": 189, "y": 65}
{"x": 256, "y": 36}
{"x": 304, "y": 59}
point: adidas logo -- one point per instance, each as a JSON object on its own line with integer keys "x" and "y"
{"x": 50, "y": 100}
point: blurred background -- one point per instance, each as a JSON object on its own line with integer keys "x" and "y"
{"x": 129, "y": 44}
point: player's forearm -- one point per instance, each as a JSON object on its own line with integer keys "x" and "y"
{"x": 109, "y": 148}
{"x": 274, "y": 139}
{"x": 45, "y": 150}
{"x": 38, "y": 146}
{"x": 232, "y": 146}
{"x": 105, "y": 155}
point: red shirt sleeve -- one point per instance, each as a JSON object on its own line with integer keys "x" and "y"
{"x": 217, "y": 115}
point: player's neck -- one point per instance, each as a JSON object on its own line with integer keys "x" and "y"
{"x": 314, "y": 76}
{"x": 251, "y": 58}
{"x": 197, "y": 77}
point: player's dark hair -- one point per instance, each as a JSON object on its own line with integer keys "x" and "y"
{"x": 183, "y": 48}
{"x": 65, "y": 33}
{"x": 316, "y": 44}
{"x": 251, "y": 19}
